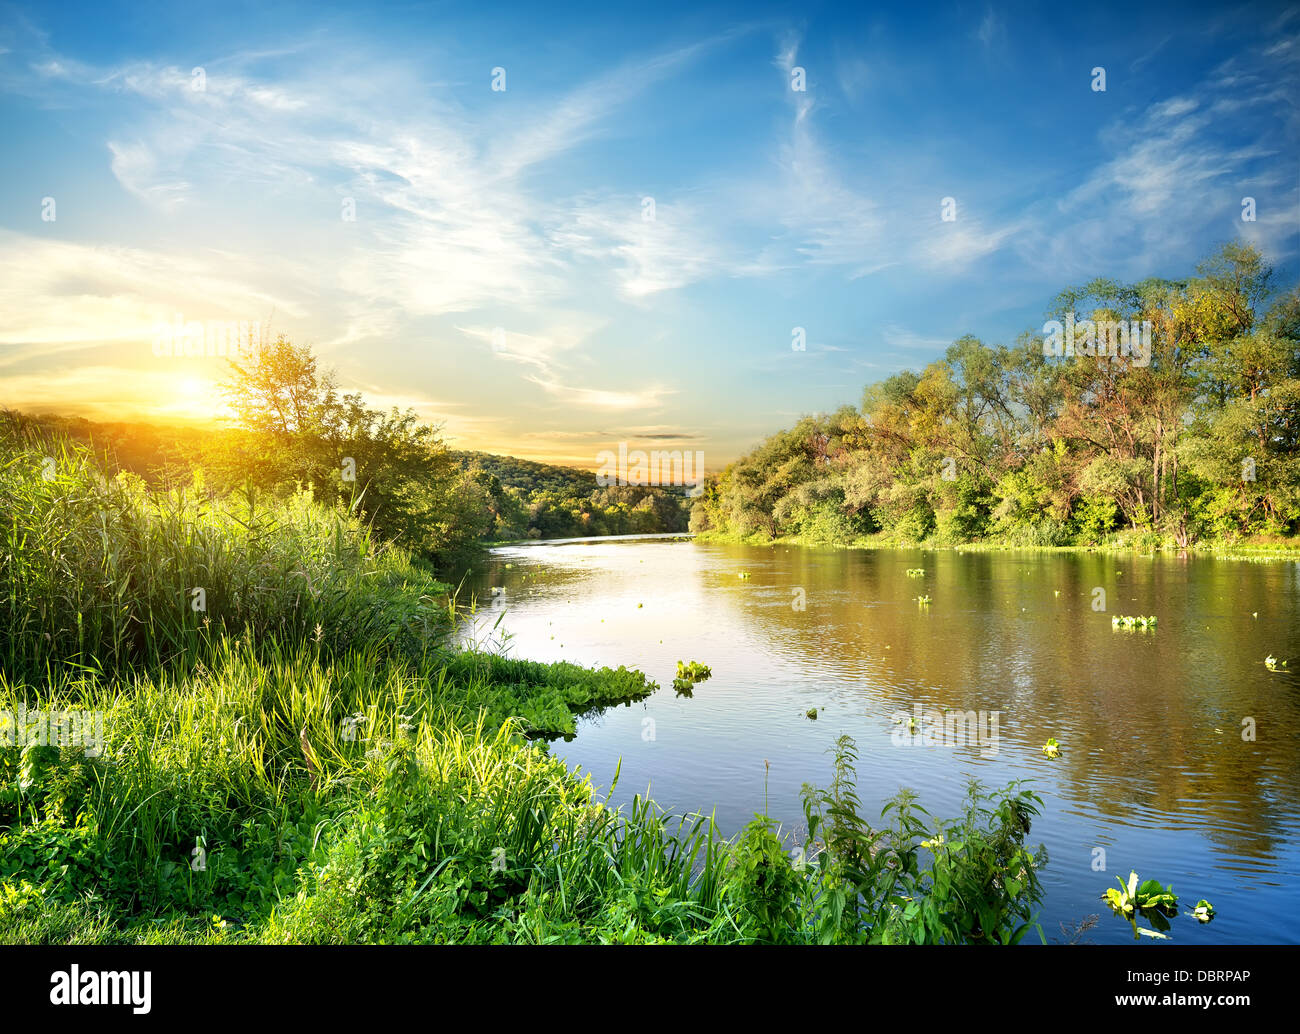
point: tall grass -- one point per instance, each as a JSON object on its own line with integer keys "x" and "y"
{"x": 105, "y": 573}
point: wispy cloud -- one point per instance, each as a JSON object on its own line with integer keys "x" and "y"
{"x": 597, "y": 398}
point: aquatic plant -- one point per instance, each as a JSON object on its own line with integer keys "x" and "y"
{"x": 915, "y": 572}
{"x": 1125, "y": 621}
{"x": 1147, "y": 900}
{"x": 1273, "y": 663}
{"x": 694, "y": 671}
{"x": 1052, "y": 749}
{"x": 1203, "y": 912}
{"x": 811, "y": 713}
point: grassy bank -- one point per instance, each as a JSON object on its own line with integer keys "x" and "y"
{"x": 304, "y": 759}
{"x": 1263, "y": 548}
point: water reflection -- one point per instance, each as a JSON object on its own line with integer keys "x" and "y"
{"x": 1154, "y": 767}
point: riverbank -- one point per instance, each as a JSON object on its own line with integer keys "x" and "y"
{"x": 1264, "y": 549}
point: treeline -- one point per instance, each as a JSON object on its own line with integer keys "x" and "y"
{"x": 294, "y": 429}
{"x": 1195, "y": 441}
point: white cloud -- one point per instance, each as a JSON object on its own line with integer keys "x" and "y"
{"x": 597, "y": 398}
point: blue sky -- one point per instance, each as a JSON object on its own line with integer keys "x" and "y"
{"x": 525, "y": 209}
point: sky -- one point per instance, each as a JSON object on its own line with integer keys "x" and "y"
{"x": 550, "y": 230}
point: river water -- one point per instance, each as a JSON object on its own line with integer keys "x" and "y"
{"x": 1180, "y": 750}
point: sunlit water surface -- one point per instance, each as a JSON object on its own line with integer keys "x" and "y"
{"x": 1154, "y": 769}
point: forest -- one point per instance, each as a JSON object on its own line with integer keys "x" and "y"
{"x": 1193, "y": 443}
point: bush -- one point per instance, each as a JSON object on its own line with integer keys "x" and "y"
{"x": 916, "y": 525}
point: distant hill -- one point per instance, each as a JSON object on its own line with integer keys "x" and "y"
{"x": 543, "y": 500}
{"x": 529, "y": 477}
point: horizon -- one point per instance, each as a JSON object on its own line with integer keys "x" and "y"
{"x": 619, "y": 237}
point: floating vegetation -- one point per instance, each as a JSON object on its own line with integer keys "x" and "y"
{"x": 688, "y": 675}
{"x": 1148, "y": 900}
{"x": 1203, "y": 912}
{"x": 1274, "y": 663}
{"x": 743, "y": 574}
{"x": 693, "y": 672}
{"x": 915, "y": 572}
{"x": 639, "y": 606}
{"x": 811, "y": 713}
{"x": 1052, "y": 749}
{"x": 923, "y": 600}
{"x": 1125, "y": 621}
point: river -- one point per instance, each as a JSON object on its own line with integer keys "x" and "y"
{"x": 1180, "y": 750}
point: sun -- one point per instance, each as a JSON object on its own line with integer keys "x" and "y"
{"x": 192, "y": 396}
{"x": 192, "y": 387}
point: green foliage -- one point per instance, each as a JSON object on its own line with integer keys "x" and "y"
{"x": 917, "y": 881}
{"x": 1131, "y": 623}
{"x": 1093, "y": 518}
{"x": 540, "y": 500}
{"x": 915, "y": 525}
{"x": 762, "y": 893}
{"x": 544, "y": 697}
{"x": 1200, "y": 443}
{"x": 423, "y": 822}
{"x": 295, "y": 428}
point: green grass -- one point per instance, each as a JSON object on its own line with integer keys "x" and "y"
{"x": 252, "y": 756}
